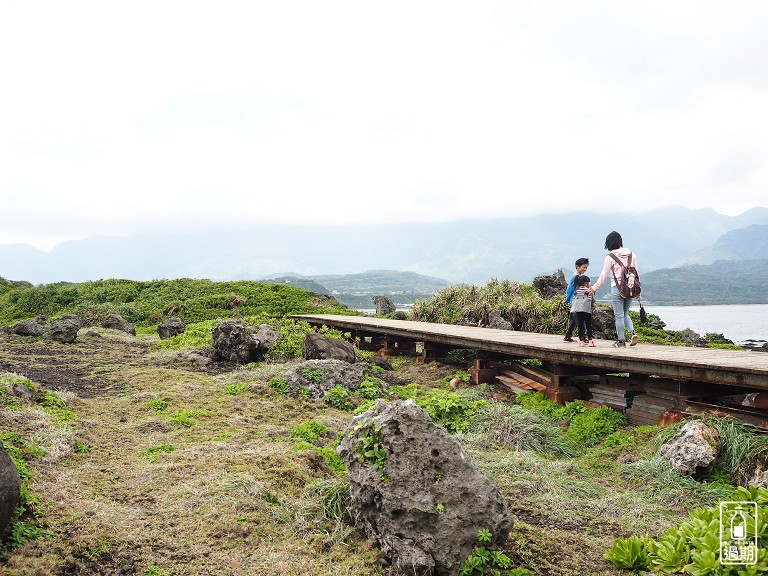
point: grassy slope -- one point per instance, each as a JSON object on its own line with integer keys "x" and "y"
{"x": 235, "y": 497}
{"x": 156, "y": 466}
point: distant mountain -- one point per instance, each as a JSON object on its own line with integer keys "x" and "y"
{"x": 722, "y": 282}
{"x": 470, "y": 251}
{"x": 358, "y": 290}
{"x": 742, "y": 244}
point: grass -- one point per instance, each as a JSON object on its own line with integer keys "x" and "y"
{"x": 188, "y": 472}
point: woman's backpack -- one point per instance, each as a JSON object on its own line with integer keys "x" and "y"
{"x": 629, "y": 283}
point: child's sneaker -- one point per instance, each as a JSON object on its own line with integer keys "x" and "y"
{"x": 633, "y": 339}
{"x": 591, "y": 343}
{"x": 582, "y": 343}
{"x": 619, "y": 344}
{"x": 567, "y": 339}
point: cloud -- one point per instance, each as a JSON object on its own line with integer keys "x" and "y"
{"x": 146, "y": 117}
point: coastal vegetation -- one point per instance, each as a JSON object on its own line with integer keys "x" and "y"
{"x": 136, "y": 460}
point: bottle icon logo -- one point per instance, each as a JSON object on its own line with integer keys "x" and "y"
{"x": 738, "y": 533}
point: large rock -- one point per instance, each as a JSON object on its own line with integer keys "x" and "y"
{"x": 237, "y": 342}
{"x": 315, "y": 377}
{"x": 427, "y": 501}
{"x": 170, "y": 328}
{"x": 693, "y": 450}
{"x": 10, "y": 488}
{"x": 551, "y": 285}
{"x": 32, "y": 327}
{"x": 319, "y": 347}
{"x": 117, "y": 322}
{"x": 64, "y": 329}
{"x": 384, "y": 305}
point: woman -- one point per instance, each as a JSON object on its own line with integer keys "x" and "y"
{"x": 612, "y": 270}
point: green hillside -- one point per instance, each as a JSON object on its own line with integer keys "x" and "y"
{"x": 148, "y": 303}
{"x": 723, "y": 282}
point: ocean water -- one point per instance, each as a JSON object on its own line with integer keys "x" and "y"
{"x": 737, "y": 322}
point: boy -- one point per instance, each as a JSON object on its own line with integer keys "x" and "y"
{"x": 581, "y": 306}
{"x": 581, "y": 267}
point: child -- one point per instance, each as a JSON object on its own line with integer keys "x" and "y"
{"x": 581, "y": 267}
{"x": 582, "y": 307}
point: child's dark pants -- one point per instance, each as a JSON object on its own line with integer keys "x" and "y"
{"x": 584, "y": 320}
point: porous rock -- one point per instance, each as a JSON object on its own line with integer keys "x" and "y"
{"x": 496, "y": 320}
{"x": 117, "y": 322}
{"x": 238, "y": 342}
{"x": 427, "y": 501}
{"x": 64, "y": 329}
{"x": 551, "y": 285}
{"x": 316, "y": 377}
{"x": 170, "y": 328}
{"x": 10, "y": 488}
{"x": 384, "y": 305}
{"x": 319, "y": 347}
{"x": 693, "y": 450}
{"x": 32, "y": 327}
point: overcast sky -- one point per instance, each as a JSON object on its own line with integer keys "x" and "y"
{"x": 136, "y": 117}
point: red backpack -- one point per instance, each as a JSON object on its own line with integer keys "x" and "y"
{"x": 629, "y": 283}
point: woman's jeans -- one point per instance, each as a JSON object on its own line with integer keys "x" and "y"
{"x": 621, "y": 312}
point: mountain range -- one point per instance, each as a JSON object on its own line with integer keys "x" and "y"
{"x": 469, "y": 251}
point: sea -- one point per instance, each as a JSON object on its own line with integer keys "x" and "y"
{"x": 738, "y": 322}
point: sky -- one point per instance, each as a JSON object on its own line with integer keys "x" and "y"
{"x": 168, "y": 117}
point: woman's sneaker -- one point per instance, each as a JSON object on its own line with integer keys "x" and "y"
{"x": 591, "y": 343}
{"x": 633, "y": 339}
{"x": 619, "y": 344}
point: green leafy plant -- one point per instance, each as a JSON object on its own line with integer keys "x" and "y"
{"x": 370, "y": 388}
{"x": 236, "y": 388}
{"x": 339, "y": 397}
{"x": 370, "y": 445}
{"x": 630, "y": 553}
{"x": 278, "y": 384}
{"x": 485, "y": 562}
{"x": 310, "y": 431}
{"x": 157, "y": 405}
{"x": 186, "y": 418}
{"x": 314, "y": 375}
{"x": 590, "y": 427}
{"x": 452, "y": 411}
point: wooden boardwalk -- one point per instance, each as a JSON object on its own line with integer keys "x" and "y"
{"x": 740, "y": 368}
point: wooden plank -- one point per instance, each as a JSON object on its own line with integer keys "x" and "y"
{"x": 522, "y": 382}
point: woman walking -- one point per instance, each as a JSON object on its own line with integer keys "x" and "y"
{"x": 617, "y": 259}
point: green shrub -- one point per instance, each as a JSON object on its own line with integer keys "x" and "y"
{"x": 236, "y": 388}
{"x": 339, "y": 397}
{"x": 452, "y": 411}
{"x": 278, "y": 384}
{"x": 630, "y": 553}
{"x": 370, "y": 388}
{"x": 309, "y": 431}
{"x": 314, "y": 375}
{"x": 590, "y": 427}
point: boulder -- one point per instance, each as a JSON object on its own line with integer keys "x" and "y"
{"x": 381, "y": 362}
{"x": 551, "y": 285}
{"x": 495, "y": 320}
{"x": 64, "y": 330}
{"x": 170, "y": 328}
{"x": 421, "y": 499}
{"x": 315, "y": 377}
{"x": 237, "y": 342}
{"x": 10, "y": 488}
{"x": 691, "y": 338}
{"x": 693, "y": 450}
{"x": 117, "y": 322}
{"x": 319, "y": 347}
{"x": 400, "y": 315}
{"x": 32, "y": 327}
{"x": 384, "y": 305}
